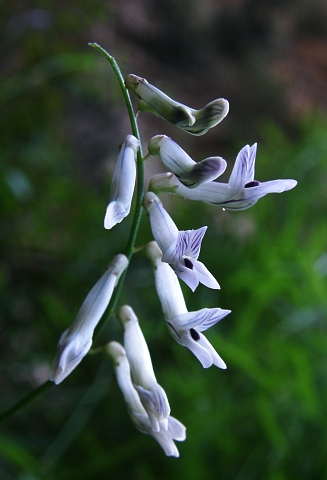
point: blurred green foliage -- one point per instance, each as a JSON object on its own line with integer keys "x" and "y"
{"x": 62, "y": 121}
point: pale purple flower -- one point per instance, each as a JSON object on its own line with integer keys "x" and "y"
{"x": 184, "y": 326}
{"x": 180, "y": 249}
{"x": 188, "y": 172}
{"x": 152, "y": 395}
{"x": 123, "y": 183}
{"x": 241, "y": 192}
{"x": 76, "y": 341}
{"x": 138, "y": 415}
{"x": 196, "y": 122}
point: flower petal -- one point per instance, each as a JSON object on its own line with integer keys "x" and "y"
{"x": 232, "y": 196}
{"x": 211, "y": 192}
{"x": 208, "y": 117}
{"x": 189, "y": 173}
{"x": 188, "y": 243}
{"x": 203, "y": 172}
{"x": 156, "y": 404}
{"x": 115, "y": 213}
{"x": 201, "y": 353}
{"x": 76, "y": 341}
{"x": 239, "y": 175}
{"x": 251, "y": 163}
{"x": 154, "y": 100}
{"x": 163, "y": 228}
{"x": 216, "y": 359}
{"x": 187, "y": 275}
{"x": 171, "y": 154}
{"x": 167, "y": 284}
{"x": 251, "y": 195}
{"x": 174, "y": 430}
{"x": 152, "y": 395}
{"x": 196, "y": 122}
{"x": 201, "y": 319}
{"x": 123, "y": 183}
{"x": 71, "y": 350}
{"x": 205, "y": 277}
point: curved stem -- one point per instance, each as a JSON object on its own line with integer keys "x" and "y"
{"x": 131, "y": 239}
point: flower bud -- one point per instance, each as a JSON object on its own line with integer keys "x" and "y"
{"x": 196, "y": 122}
{"x": 189, "y": 173}
{"x": 123, "y": 183}
{"x": 76, "y": 341}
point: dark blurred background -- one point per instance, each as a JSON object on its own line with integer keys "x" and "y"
{"x": 62, "y": 120}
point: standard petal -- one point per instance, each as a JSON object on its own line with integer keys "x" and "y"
{"x": 201, "y": 319}
{"x": 239, "y": 174}
{"x": 251, "y": 163}
{"x": 156, "y": 404}
{"x": 188, "y": 243}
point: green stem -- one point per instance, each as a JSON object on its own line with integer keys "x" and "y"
{"x": 139, "y": 186}
{"x": 131, "y": 239}
{"x": 26, "y": 400}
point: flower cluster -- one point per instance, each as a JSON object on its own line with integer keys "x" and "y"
{"x": 173, "y": 255}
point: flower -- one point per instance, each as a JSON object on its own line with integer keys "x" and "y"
{"x": 184, "y": 326}
{"x": 123, "y": 182}
{"x": 241, "y": 191}
{"x": 165, "y": 437}
{"x": 196, "y": 122}
{"x": 188, "y": 172}
{"x": 76, "y": 341}
{"x": 180, "y": 248}
{"x": 152, "y": 395}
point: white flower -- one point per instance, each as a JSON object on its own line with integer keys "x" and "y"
{"x": 196, "y": 122}
{"x": 188, "y": 172}
{"x": 152, "y": 395}
{"x": 165, "y": 438}
{"x": 240, "y": 193}
{"x": 76, "y": 341}
{"x": 123, "y": 182}
{"x": 184, "y": 326}
{"x": 180, "y": 249}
